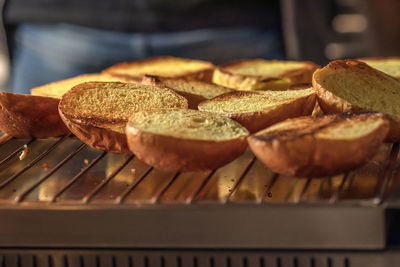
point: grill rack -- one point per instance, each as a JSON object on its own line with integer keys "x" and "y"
{"x": 295, "y": 194}
{"x": 66, "y": 194}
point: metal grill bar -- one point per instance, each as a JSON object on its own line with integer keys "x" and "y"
{"x": 292, "y": 190}
{"x": 380, "y": 195}
{"x": 5, "y": 138}
{"x": 16, "y": 152}
{"x": 59, "y": 165}
{"x": 226, "y": 200}
{"x": 303, "y": 191}
{"x": 157, "y": 196}
{"x": 334, "y": 198}
{"x": 268, "y": 188}
{"x": 73, "y": 180}
{"x": 33, "y": 162}
{"x": 191, "y": 198}
{"x": 124, "y": 194}
{"x": 91, "y": 194}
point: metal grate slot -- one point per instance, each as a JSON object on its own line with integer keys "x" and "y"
{"x": 121, "y": 198}
{"x": 31, "y": 163}
{"x": 90, "y": 195}
{"x": 156, "y": 197}
{"x": 383, "y": 186}
{"x": 193, "y": 196}
{"x": 21, "y": 196}
{"x": 76, "y": 177}
{"x": 239, "y": 180}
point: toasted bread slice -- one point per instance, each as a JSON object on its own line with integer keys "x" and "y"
{"x": 258, "y": 110}
{"x": 26, "y": 116}
{"x": 261, "y": 74}
{"x": 320, "y": 146}
{"x": 97, "y": 112}
{"x": 353, "y": 86}
{"x": 165, "y": 66}
{"x": 317, "y": 109}
{"x": 58, "y": 88}
{"x": 193, "y": 90}
{"x": 388, "y": 65}
{"x": 185, "y": 140}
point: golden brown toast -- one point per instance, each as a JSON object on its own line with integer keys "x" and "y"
{"x": 322, "y": 145}
{"x": 165, "y": 66}
{"x": 58, "y": 88}
{"x": 388, "y": 65}
{"x": 261, "y": 74}
{"x": 193, "y": 90}
{"x": 97, "y": 112}
{"x": 26, "y": 116}
{"x": 258, "y": 110}
{"x": 353, "y": 86}
{"x": 184, "y": 139}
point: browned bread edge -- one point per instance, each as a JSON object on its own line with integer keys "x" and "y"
{"x": 255, "y": 121}
{"x": 27, "y": 116}
{"x": 304, "y": 155}
{"x": 330, "y": 103}
{"x": 174, "y": 154}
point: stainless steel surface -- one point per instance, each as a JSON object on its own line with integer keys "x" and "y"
{"x": 64, "y": 193}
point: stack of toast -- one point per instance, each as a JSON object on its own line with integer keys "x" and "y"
{"x": 181, "y": 114}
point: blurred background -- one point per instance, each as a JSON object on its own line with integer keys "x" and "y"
{"x": 48, "y": 40}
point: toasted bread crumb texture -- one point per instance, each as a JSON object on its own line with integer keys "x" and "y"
{"x": 344, "y": 126}
{"x": 243, "y": 102}
{"x": 389, "y": 66}
{"x": 58, "y": 88}
{"x": 117, "y": 101}
{"x": 262, "y": 67}
{"x": 188, "y": 124}
{"x": 362, "y": 86}
{"x": 162, "y": 66}
{"x": 208, "y": 90}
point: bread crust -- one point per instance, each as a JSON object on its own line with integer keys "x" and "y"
{"x": 193, "y": 99}
{"x": 107, "y": 134}
{"x": 330, "y": 103}
{"x": 27, "y": 116}
{"x": 306, "y": 155}
{"x": 224, "y": 77}
{"x": 255, "y": 121}
{"x": 174, "y": 154}
{"x": 201, "y": 74}
{"x": 102, "y": 138}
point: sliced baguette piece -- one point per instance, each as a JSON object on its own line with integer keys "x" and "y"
{"x": 261, "y": 74}
{"x": 322, "y": 145}
{"x": 388, "y": 65}
{"x": 26, "y": 116}
{"x": 258, "y": 110}
{"x": 193, "y": 90}
{"x": 185, "y": 140}
{"x": 317, "y": 109}
{"x": 353, "y": 86}
{"x": 165, "y": 66}
{"x": 58, "y": 88}
{"x": 97, "y": 112}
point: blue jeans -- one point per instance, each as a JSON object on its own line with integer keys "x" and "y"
{"x": 46, "y": 53}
